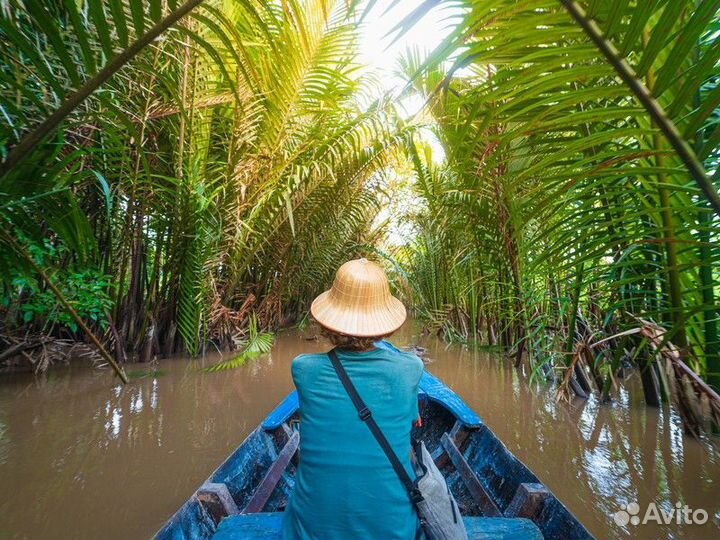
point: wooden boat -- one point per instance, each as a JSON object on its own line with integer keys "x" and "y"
{"x": 498, "y": 495}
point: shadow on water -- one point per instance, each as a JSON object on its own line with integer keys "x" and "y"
{"x": 84, "y": 458}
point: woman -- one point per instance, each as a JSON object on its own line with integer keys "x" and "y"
{"x": 345, "y": 487}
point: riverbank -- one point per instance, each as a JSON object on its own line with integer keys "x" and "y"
{"x": 82, "y": 457}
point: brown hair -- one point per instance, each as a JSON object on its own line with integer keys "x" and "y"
{"x": 350, "y": 343}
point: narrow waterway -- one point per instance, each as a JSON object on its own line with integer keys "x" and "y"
{"x": 83, "y": 458}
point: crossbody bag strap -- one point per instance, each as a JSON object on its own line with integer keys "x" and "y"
{"x": 367, "y": 417}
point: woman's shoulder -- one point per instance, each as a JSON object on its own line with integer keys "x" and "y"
{"x": 407, "y": 360}
{"x": 307, "y": 362}
{"x": 308, "y": 357}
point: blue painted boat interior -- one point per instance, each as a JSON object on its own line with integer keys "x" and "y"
{"x": 481, "y": 464}
{"x": 268, "y": 526}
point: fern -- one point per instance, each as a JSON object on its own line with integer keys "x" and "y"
{"x": 257, "y": 343}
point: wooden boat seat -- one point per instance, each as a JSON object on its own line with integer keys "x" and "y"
{"x": 267, "y": 526}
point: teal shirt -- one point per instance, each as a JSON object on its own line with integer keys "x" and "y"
{"x": 345, "y": 487}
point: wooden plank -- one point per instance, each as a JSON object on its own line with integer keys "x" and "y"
{"x": 458, "y": 434}
{"x": 269, "y": 527}
{"x": 289, "y": 433}
{"x": 272, "y": 477}
{"x": 217, "y": 500}
{"x": 528, "y": 502}
{"x": 484, "y": 501}
{"x": 482, "y": 528}
{"x": 287, "y": 430}
{"x": 190, "y": 521}
{"x": 262, "y": 526}
{"x": 439, "y": 454}
{"x": 269, "y": 441}
{"x": 282, "y": 412}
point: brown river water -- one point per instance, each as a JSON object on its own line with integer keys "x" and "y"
{"x": 84, "y": 458}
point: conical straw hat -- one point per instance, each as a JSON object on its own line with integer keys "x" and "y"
{"x": 359, "y": 302}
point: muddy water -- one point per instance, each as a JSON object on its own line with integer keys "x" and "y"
{"x": 83, "y": 458}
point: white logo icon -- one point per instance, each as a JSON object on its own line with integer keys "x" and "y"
{"x": 679, "y": 514}
{"x": 628, "y": 514}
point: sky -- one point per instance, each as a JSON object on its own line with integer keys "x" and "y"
{"x": 378, "y": 50}
{"x": 381, "y": 55}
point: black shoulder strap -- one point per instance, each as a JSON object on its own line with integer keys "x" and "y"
{"x": 366, "y": 416}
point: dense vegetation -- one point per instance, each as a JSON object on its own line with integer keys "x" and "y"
{"x": 563, "y": 213}
{"x": 177, "y": 172}
{"x": 222, "y": 172}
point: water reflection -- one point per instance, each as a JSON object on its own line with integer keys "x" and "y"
{"x": 84, "y": 458}
{"x": 595, "y": 457}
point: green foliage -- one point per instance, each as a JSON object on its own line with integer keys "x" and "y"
{"x": 254, "y": 345}
{"x": 87, "y": 290}
{"x": 227, "y": 167}
{"x": 559, "y": 189}
{"x": 221, "y": 169}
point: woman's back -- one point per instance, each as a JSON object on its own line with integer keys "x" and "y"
{"x": 345, "y": 487}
